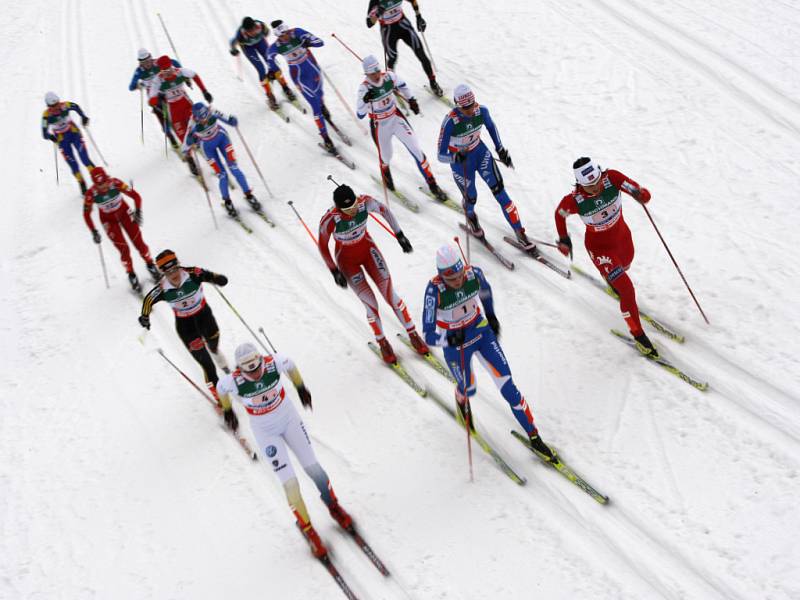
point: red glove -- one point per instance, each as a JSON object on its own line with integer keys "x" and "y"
{"x": 643, "y": 196}
{"x": 153, "y": 101}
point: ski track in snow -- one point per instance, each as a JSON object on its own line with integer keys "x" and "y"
{"x": 117, "y": 479}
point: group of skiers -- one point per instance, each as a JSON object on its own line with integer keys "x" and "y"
{"x": 459, "y": 314}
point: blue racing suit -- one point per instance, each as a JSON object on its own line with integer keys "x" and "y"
{"x": 58, "y": 127}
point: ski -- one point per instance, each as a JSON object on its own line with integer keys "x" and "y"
{"x": 501, "y": 463}
{"x": 338, "y": 155}
{"x": 565, "y": 470}
{"x": 278, "y": 111}
{"x": 663, "y": 363}
{"x": 260, "y": 212}
{"x": 449, "y": 202}
{"x": 657, "y": 325}
{"x": 404, "y": 200}
{"x": 337, "y": 577}
{"x": 296, "y": 103}
{"x": 508, "y": 264}
{"x": 431, "y": 359}
{"x": 537, "y": 256}
{"x": 401, "y": 372}
{"x": 241, "y": 223}
{"x": 446, "y": 101}
{"x": 345, "y": 138}
{"x": 367, "y": 550}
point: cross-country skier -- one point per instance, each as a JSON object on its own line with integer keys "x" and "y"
{"x": 251, "y": 37}
{"x": 277, "y": 427}
{"x": 115, "y": 216}
{"x": 293, "y": 45}
{"x": 376, "y": 98}
{"x": 598, "y": 201}
{"x": 357, "y": 255}
{"x": 395, "y": 26}
{"x": 460, "y": 146}
{"x": 205, "y": 130}
{"x": 59, "y": 128}
{"x": 142, "y": 76}
{"x": 168, "y": 85}
{"x": 453, "y": 318}
{"x": 182, "y": 288}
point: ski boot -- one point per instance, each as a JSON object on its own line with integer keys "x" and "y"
{"x": 419, "y": 345}
{"x": 340, "y": 515}
{"x": 82, "y": 184}
{"x": 271, "y": 101}
{"x": 542, "y": 449}
{"x": 290, "y": 96}
{"x": 318, "y": 549}
{"x": 436, "y": 190}
{"x": 212, "y": 389}
{"x": 134, "y": 281}
{"x": 232, "y": 212}
{"x": 192, "y": 166}
{"x": 645, "y": 346}
{"x": 387, "y": 177}
{"x": 527, "y": 245}
{"x": 153, "y": 270}
{"x": 464, "y": 413}
{"x": 474, "y": 226}
{"x": 255, "y": 204}
{"x": 386, "y": 351}
{"x": 326, "y": 113}
{"x": 435, "y": 88}
{"x": 328, "y": 145}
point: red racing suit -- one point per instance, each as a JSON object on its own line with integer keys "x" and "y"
{"x": 608, "y": 239}
{"x": 356, "y": 254}
{"x": 115, "y": 217}
{"x": 173, "y": 92}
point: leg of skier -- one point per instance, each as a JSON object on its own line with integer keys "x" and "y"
{"x": 494, "y": 179}
{"x": 465, "y": 378}
{"x": 114, "y": 233}
{"x": 189, "y": 332}
{"x": 229, "y": 155}
{"x": 409, "y": 36}
{"x": 406, "y": 135}
{"x": 309, "y": 81}
{"x": 135, "y": 236}
{"x": 464, "y": 176}
{"x": 382, "y": 132}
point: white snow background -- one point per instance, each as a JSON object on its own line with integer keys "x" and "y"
{"x": 116, "y": 479}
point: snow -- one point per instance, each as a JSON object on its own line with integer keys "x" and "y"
{"x": 116, "y": 479}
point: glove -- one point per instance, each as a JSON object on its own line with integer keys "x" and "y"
{"x": 370, "y": 22}
{"x": 367, "y": 97}
{"x": 84, "y": 121}
{"x": 137, "y": 216}
{"x": 234, "y": 122}
{"x": 455, "y": 338}
{"x": 494, "y": 324}
{"x": 565, "y": 246}
{"x": 505, "y": 158}
{"x": 221, "y": 280}
{"x": 234, "y": 51}
{"x": 305, "y": 43}
{"x": 459, "y": 157}
{"x": 421, "y": 24}
{"x": 207, "y": 95}
{"x": 642, "y": 195}
{"x": 231, "y": 420}
{"x": 95, "y": 236}
{"x": 404, "y": 243}
{"x": 414, "y": 105}
{"x": 52, "y": 138}
{"x": 270, "y": 75}
{"x": 338, "y": 277}
{"x": 305, "y": 396}
{"x": 144, "y": 321}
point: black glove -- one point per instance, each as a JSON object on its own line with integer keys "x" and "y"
{"x": 52, "y": 138}
{"x": 305, "y": 395}
{"x": 234, "y": 51}
{"x": 144, "y": 321}
{"x": 421, "y": 24}
{"x": 95, "y": 236}
{"x": 207, "y": 95}
{"x": 137, "y": 216}
{"x": 565, "y": 246}
{"x": 339, "y": 278}
{"x": 370, "y": 23}
{"x": 494, "y": 324}
{"x": 221, "y": 280}
{"x": 455, "y": 338}
{"x": 367, "y": 97}
{"x": 270, "y": 75}
{"x": 459, "y": 157}
{"x": 414, "y": 105}
{"x": 231, "y": 420}
{"x": 305, "y": 43}
{"x": 404, "y": 243}
{"x": 84, "y": 121}
{"x": 505, "y": 158}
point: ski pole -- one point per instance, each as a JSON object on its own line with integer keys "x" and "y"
{"x": 200, "y": 390}
{"x": 428, "y": 48}
{"x": 55, "y": 159}
{"x": 376, "y": 138}
{"x": 467, "y": 413}
{"x": 141, "y": 112}
{"x": 205, "y": 188}
{"x": 261, "y": 329}
{"x": 344, "y": 102}
{"x": 94, "y": 144}
{"x": 165, "y": 124}
{"x": 239, "y": 73}
{"x": 169, "y": 38}
{"x": 674, "y": 262}
{"x": 240, "y": 317}
{"x": 291, "y": 205}
{"x": 348, "y": 48}
{"x": 464, "y": 202}
{"x": 103, "y": 264}
{"x": 253, "y": 160}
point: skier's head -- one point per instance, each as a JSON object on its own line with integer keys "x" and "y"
{"x": 464, "y": 98}
{"x": 279, "y": 28}
{"x": 168, "y": 264}
{"x": 588, "y": 174}
{"x": 345, "y": 199}
{"x": 51, "y": 98}
{"x": 99, "y": 176}
{"x": 165, "y": 66}
{"x": 249, "y": 360}
{"x": 450, "y": 266}
{"x": 200, "y": 111}
{"x": 145, "y": 58}
{"x": 248, "y": 24}
{"x": 372, "y": 69}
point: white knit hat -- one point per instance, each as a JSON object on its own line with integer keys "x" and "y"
{"x": 370, "y": 64}
{"x": 463, "y": 95}
{"x": 143, "y": 54}
{"x": 587, "y": 171}
{"x": 51, "y": 98}
{"x": 247, "y": 356}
